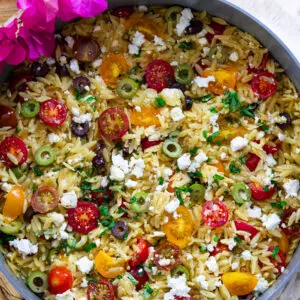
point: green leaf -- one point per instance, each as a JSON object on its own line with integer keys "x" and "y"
{"x": 215, "y": 238}
{"x": 203, "y": 249}
{"x": 196, "y": 174}
{"x": 78, "y": 94}
{"x": 186, "y": 45}
{"x": 147, "y": 291}
{"x": 104, "y": 211}
{"x": 90, "y": 246}
{"x": 37, "y": 171}
{"x": 266, "y": 188}
{"x": 193, "y": 151}
{"x": 237, "y": 239}
{"x": 243, "y": 159}
{"x": 205, "y": 134}
{"x": 233, "y": 168}
{"x": 217, "y": 177}
{"x": 212, "y": 136}
{"x": 92, "y": 279}
{"x": 86, "y": 186}
{"x": 133, "y": 199}
{"x": 248, "y": 111}
{"x": 280, "y": 205}
{"x": 204, "y": 99}
{"x": 275, "y": 251}
{"x": 159, "y": 102}
{"x": 232, "y": 100}
{"x": 213, "y": 110}
{"x": 160, "y": 181}
{"x": 89, "y": 99}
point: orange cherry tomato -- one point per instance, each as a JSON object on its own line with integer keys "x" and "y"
{"x": 179, "y": 230}
{"x": 147, "y": 27}
{"x": 146, "y": 117}
{"x": 219, "y": 166}
{"x": 113, "y": 66}
{"x": 14, "y": 203}
{"x": 224, "y": 79}
{"x": 283, "y": 243}
{"x": 239, "y": 283}
{"x": 107, "y": 266}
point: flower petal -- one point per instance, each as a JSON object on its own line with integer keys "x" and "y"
{"x": 19, "y": 54}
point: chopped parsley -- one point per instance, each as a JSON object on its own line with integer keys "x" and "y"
{"x": 213, "y": 110}
{"x": 275, "y": 251}
{"x": 205, "y": 134}
{"x": 215, "y": 238}
{"x": 78, "y": 94}
{"x": 89, "y": 99}
{"x": 266, "y": 188}
{"x": 178, "y": 191}
{"x": 92, "y": 279}
{"x": 147, "y": 291}
{"x": 237, "y": 239}
{"x": 279, "y": 205}
{"x": 160, "y": 181}
{"x": 90, "y": 246}
{"x": 248, "y": 111}
{"x": 204, "y": 99}
{"x": 159, "y": 102}
{"x": 210, "y": 138}
{"x": 86, "y": 186}
{"x": 203, "y": 249}
{"x": 232, "y": 100}
{"x": 243, "y": 159}
{"x": 217, "y": 177}
{"x": 186, "y": 45}
{"x": 193, "y": 151}
{"x": 196, "y": 174}
{"x": 37, "y": 171}
{"x": 233, "y": 168}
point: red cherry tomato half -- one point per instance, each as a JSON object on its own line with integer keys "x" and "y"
{"x": 84, "y": 217}
{"x": 215, "y": 213}
{"x": 293, "y": 230}
{"x": 101, "y": 290}
{"x": 219, "y": 248}
{"x": 8, "y": 116}
{"x": 142, "y": 253}
{"x": 271, "y": 149}
{"x": 259, "y": 193}
{"x": 167, "y": 251}
{"x": 262, "y": 65}
{"x": 252, "y": 161}
{"x": 148, "y": 144}
{"x": 140, "y": 275}
{"x": 52, "y": 112}
{"x": 60, "y": 279}
{"x": 44, "y": 199}
{"x": 122, "y": 12}
{"x": 13, "y": 151}
{"x": 113, "y": 123}
{"x": 101, "y": 197}
{"x": 243, "y": 226}
{"x": 264, "y": 85}
{"x": 159, "y": 75}
{"x": 183, "y": 298}
{"x": 218, "y": 30}
{"x": 279, "y": 261}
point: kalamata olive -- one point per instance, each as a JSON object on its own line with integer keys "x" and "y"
{"x": 80, "y": 129}
{"x": 86, "y": 49}
{"x": 61, "y": 70}
{"x": 120, "y": 230}
{"x": 99, "y": 147}
{"x": 29, "y": 213}
{"x": 288, "y": 121}
{"x": 195, "y": 26}
{"x": 80, "y": 84}
{"x": 39, "y": 69}
{"x": 179, "y": 86}
{"x": 8, "y": 116}
{"x": 125, "y": 151}
{"x": 188, "y": 103}
{"x": 99, "y": 162}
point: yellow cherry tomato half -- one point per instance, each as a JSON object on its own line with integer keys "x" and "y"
{"x": 283, "y": 243}
{"x": 113, "y": 66}
{"x": 239, "y": 283}
{"x": 179, "y": 229}
{"x": 14, "y": 203}
{"x": 107, "y": 266}
{"x": 146, "y": 117}
{"x": 224, "y": 79}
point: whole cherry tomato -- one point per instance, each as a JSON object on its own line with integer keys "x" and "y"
{"x": 60, "y": 279}
{"x": 243, "y": 226}
{"x": 14, "y": 203}
{"x": 261, "y": 193}
{"x": 215, "y": 213}
{"x": 142, "y": 253}
{"x": 264, "y": 85}
{"x": 252, "y": 161}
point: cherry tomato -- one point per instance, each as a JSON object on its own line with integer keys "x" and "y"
{"x": 167, "y": 251}
{"x": 219, "y": 166}
{"x": 86, "y": 49}
{"x": 52, "y": 112}
{"x": 280, "y": 259}
{"x": 146, "y": 117}
{"x": 113, "y": 123}
{"x": 293, "y": 230}
{"x": 224, "y": 79}
{"x": 145, "y": 143}
{"x": 271, "y": 148}
{"x": 107, "y": 266}
{"x": 264, "y": 85}
{"x": 259, "y": 193}
{"x": 283, "y": 243}
{"x": 14, "y": 203}
{"x": 252, "y": 161}
{"x": 219, "y": 248}
{"x": 239, "y": 283}
{"x": 84, "y": 217}
{"x": 179, "y": 230}
{"x": 215, "y": 213}
{"x": 262, "y": 65}
{"x": 243, "y": 226}
{"x": 218, "y": 30}
{"x": 159, "y": 75}
{"x": 13, "y": 151}
{"x": 100, "y": 197}
{"x": 8, "y": 117}
{"x": 113, "y": 66}
{"x": 142, "y": 254}
{"x": 60, "y": 279}
{"x": 44, "y": 199}
{"x": 122, "y": 12}
{"x": 100, "y": 290}
{"x": 140, "y": 275}
{"x": 183, "y": 298}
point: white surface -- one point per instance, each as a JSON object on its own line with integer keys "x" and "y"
{"x": 281, "y": 16}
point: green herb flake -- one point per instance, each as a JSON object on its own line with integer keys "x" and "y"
{"x": 5, "y": 238}
{"x": 243, "y": 159}
{"x": 159, "y": 102}
{"x": 186, "y": 45}
{"x": 90, "y": 246}
{"x": 213, "y": 110}
{"x": 237, "y": 239}
{"x": 193, "y": 151}
{"x": 212, "y": 136}
{"x": 279, "y": 205}
{"x": 215, "y": 238}
{"x": 78, "y": 94}
{"x": 217, "y": 177}
{"x": 266, "y": 188}
{"x": 37, "y": 171}
{"x": 204, "y": 99}
{"x": 160, "y": 181}
{"x": 133, "y": 199}
{"x": 89, "y": 99}
{"x": 92, "y": 279}
{"x": 34, "y": 188}
{"x": 104, "y": 211}
{"x": 86, "y": 186}
{"x": 147, "y": 291}
{"x": 205, "y": 134}
{"x": 203, "y": 249}
{"x": 232, "y": 100}
{"x": 196, "y": 174}
{"x": 275, "y": 251}
{"x": 233, "y": 168}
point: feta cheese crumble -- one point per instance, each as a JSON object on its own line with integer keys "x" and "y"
{"x": 271, "y": 222}
{"x": 53, "y": 138}
{"x": 116, "y": 173}
{"x": 74, "y": 66}
{"x": 82, "y": 118}
{"x": 172, "y": 97}
{"x": 211, "y": 264}
{"x": 69, "y": 200}
{"x": 234, "y": 56}
{"x": 177, "y": 114}
{"x": 262, "y": 285}
{"x": 197, "y": 161}
{"x": 172, "y": 206}
{"x": 184, "y": 161}
{"x": 270, "y": 161}
{"x": 84, "y": 265}
{"x": 24, "y": 246}
{"x": 254, "y": 212}
{"x": 246, "y": 255}
{"x": 203, "y": 41}
{"x": 291, "y": 188}
{"x": 184, "y": 21}
{"x": 67, "y": 295}
{"x": 137, "y": 41}
{"x": 238, "y": 143}
{"x": 158, "y": 41}
{"x": 130, "y": 183}
{"x": 70, "y": 41}
{"x": 202, "y": 280}
{"x": 203, "y": 81}
{"x": 164, "y": 261}
{"x": 178, "y": 288}
{"x": 213, "y": 121}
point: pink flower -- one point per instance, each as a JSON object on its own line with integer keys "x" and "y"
{"x": 71, "y": 9}
{"x": 13, "y": 49}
